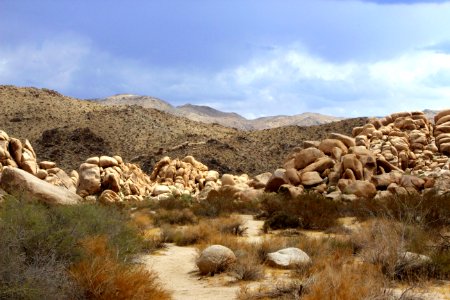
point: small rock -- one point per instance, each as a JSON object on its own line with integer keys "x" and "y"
{"x": 288, "y": 258}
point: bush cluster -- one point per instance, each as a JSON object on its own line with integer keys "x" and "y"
{"x": 307, "y": 211}
{"x": 39, "y": 244}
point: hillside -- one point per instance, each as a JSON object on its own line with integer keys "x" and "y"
{"x": 67, "y": 130}
{"x": 209, "y": 115}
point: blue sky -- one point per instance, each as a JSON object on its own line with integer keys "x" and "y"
{"x": 254, "y": 57}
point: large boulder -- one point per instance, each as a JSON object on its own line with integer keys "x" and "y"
{"x": 288, "y": 258}
{"x": 306, "y": 157}
{"x": 109, "y": 197}
{"x": 320, "y": 165}
{"x": 327, "y": 145}
{"x": 25, "y": 186}
{"x": 215, "y": 259}
{"x": 360, "y": 188}
{"x": 311, "y": 178}
{"x": 107, "y": 161}
{"x": 277, "y": 179}
{"x": 90, "y": 181}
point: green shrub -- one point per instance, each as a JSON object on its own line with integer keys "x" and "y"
{"x": 307, "y": 211}
{"x": 38, "y": 243}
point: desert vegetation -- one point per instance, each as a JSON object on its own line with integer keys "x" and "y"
{"x": 71, "y": 252}
{"x": 390, "y": 243}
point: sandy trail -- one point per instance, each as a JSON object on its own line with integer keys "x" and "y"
{"x": 177, "y": 270}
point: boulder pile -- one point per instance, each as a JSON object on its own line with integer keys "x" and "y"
{"x": 111, "y": 180}
{"x": 401, "y": 153}
{"x": 442, "y": 131}
{"x": 106, "y": 179}
{"x": 181, "y": 176}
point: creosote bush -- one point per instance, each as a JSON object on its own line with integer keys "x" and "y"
{"x": 307, "y": 211}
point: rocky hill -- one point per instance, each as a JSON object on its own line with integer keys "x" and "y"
{"x": 67, "y": 131}
{"x": 208, "y": 114}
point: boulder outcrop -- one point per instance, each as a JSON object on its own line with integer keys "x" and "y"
{"x": 27, "y": 187}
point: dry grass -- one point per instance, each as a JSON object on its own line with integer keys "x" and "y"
{"x": 178, "y": 217}
{"x": 101, "y": 276}
{"x": 339, "y": 277}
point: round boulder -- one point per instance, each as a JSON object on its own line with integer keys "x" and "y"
{"x": 215, "y": 259}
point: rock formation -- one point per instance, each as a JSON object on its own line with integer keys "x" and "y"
{"x": 401, "y": 153}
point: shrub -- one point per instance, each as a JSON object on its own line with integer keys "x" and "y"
{"x": 284, "y": 290}
{"x": 338, "y": 277}
{"x": 175, "y": 202}
{"x": 307, "y": 211}
{"x": 232, "y": 225}
{"x": 102, "y": 276}
{"x": 186, "y": 236}
{"x": 247, "y": 268}
{"x": 38, "y": 243}
{"x": 221, "y": 203}
{"x": 428, "y": 210}
{"x": 179, "y": 217}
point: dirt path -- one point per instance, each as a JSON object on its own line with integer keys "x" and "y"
{"x": 177, "y": 270}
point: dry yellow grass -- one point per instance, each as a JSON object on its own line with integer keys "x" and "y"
{"x": 101, "y": 276}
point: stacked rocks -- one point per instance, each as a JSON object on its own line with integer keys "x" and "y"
{"x": 395, "y": 155}
{"x": 106, "y": 179}
{"x": 18, "y": 154}
{"x": 406, "y": 142}
{"x": 181, "y": 176}
{"x": 442, "y": 131}
{"x": 111, "y": 180}
{"x": 14, "y": 153}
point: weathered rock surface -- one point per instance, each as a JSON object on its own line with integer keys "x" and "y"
{"x": 25, "y": 186}
{"x": 288, "y": 258}
{"x": 215, "y": 259}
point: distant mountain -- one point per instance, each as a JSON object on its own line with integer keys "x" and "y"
{"x": 304, "y": 119}
{"x": 67, "y": 131}
{"x": 144, "y": 101}
{"x": 429, "y": 113}
{"x": 206, "y": 114}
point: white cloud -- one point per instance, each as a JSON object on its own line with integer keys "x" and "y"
{"x": 284, "y": 81}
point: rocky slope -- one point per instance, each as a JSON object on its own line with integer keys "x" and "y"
{"x": 67, "y": 131}
{"x": 206, "y": 114}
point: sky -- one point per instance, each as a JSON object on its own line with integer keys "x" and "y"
{"x": 258, "y": 58}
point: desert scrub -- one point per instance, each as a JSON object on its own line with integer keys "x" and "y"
{"x": 338, "y": 277}
{"x": 384, "y": 243}
{"x": 101, "y": 275}
{"x": 307, "y": 211}
{"x": 39, "y": 243}
{"x": 207, "y": 231}
{"x": 179, "y": 217}
{"x": 428, "y": 210}
{"x": 222, "y": 203}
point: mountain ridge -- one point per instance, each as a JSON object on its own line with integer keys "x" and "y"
{"x": 67, "y": 130}
{"x": 207, "y": 114}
